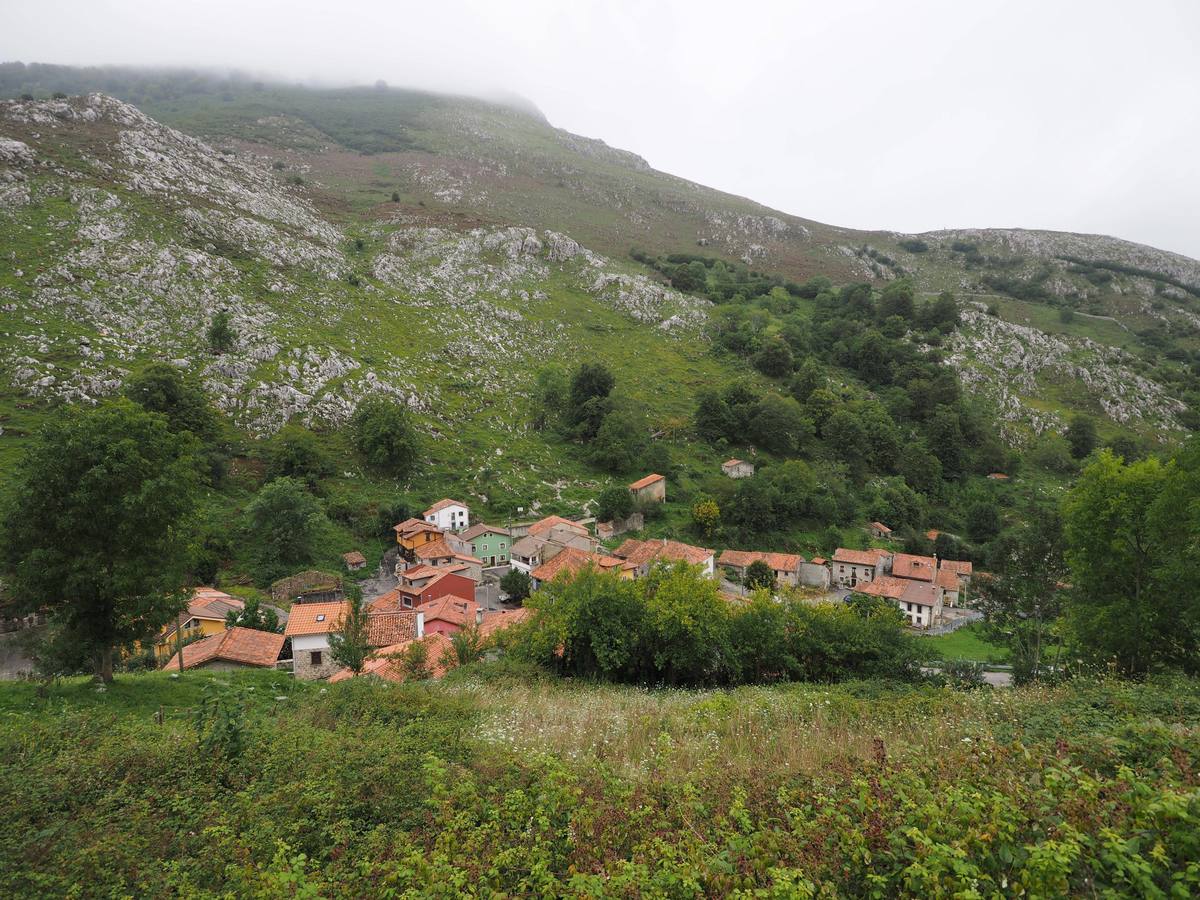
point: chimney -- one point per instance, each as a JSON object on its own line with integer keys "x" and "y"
{"x": 479, "y": 615}
{"x": 420, "y": 625}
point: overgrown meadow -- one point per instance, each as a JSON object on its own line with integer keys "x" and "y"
{"x": 499, "y": 781}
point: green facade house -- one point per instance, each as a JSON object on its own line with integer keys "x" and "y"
{"x": 489, "y": 543}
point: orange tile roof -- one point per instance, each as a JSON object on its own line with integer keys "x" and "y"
{"x": 480, "y": 528}
{"x": 433, "y": 550}
{"x": 387, "y": 661}
{"x": 417, "y": 572}
{"x": 543, "y": 525}
{"x": 442, "y": 504}
{"x": 499, "y": 619}
{"x": 932, "y": 534}
{"x": 392, "y": 601}
{"x": 237, "y": 645}
{"x": 452, "y": 609}
{"x": 412, "y": 526}
{"x": 946, "y": 579}
{"x": 731, "y": 462}
{"x": 569, "y": 560}
{"x": 391, "y": 626}
{"x": 646, "y": 482}
{"x": 884, "y": 586}
{"x": 959, "y": 567}
{"x": 354, "y": 558}
{"x": 315, "y": 618}
{"x": 919, "y": 568}
{"x": 859, "y": 557}
{"x": 818, "y": 560}
{"x": 779, "y": 562}
{"x": 642, "y": 552}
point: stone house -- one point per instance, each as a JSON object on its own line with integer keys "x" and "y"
{"x": 643, "y": 553}
{"x": 921, "y": 602}
{"x": 879, "y": 531}
{"x": 354, "y": 560}
{"x": 815, "y": 573}
{"x": 737, "y": 468}
{"x": 651, "y": 489}
{"x": 573, "y": 560}
{"x": 785, "y": 566}
{"x": 851, "y": 567}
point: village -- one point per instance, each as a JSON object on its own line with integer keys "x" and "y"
{"x": 447, "y": 575}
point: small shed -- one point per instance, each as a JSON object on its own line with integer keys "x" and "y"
{"x": 737, "y": 468}
{"x": 354, "y": 560}
{"x": 879, "y": 530}
{"x": 651, "y": 489}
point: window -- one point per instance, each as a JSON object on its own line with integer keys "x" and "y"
{"x": 314, "y": 657}
{"x": 321, "y": 617}
{"x": 502, "y": 545}
{"x": 408, "y": 603}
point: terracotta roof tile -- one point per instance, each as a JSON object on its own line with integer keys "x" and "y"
{"x": 443, "y": 504}
{"x": 546, "y": 524}
{"x": 354, "y": 558}
{"x": 480, "y": 528}
{"x": 433, "y": 550}
{"x": 919, "y": 568}
{"x": 646, "y": 482}
{"x": 452, "y": 609}
{"x": 884, "y": 586}
{"x": 315, "y": 618}
{"x": 779, "y": 562}
{"x": 859, "y": 557}
{"x": 246, "y": 646}
{"x": 642, "y": 552}
{"x": 960, "y": 567}
{"x": 390, "y": 627}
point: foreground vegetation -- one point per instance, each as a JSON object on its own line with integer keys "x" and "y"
{"x": 502, "y": 781}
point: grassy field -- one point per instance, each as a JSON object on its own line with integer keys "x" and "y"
{"x": 965, "y": 643}
{"x": 498, "y": 781}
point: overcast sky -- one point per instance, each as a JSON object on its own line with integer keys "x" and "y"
{"x": 1082, "y": 115}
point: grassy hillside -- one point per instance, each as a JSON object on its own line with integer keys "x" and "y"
{"x": 490, "y": 784}
{"x": 1121, "y": 312}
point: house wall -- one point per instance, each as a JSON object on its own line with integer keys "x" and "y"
{"x": 449, "y": 584}
{"x": 452, "y": 518}
{"x": 303, "y": 646}
{"x": 652, "y": 493}
{"x": 812, "y": 575}
{"x": 744, "y": 470}
{"x": 206, "y": 627}
{"x": 850, "y": 574}
{"x": 437, "y": 626}
{"x": 488, "y": 545}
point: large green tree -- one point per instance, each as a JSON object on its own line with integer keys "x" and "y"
{"x": 350, "y": 644}
{"x": 95, "y": 530}
{"x": 386, "y": 437}
{"x": 1023, "y": 600}
{"x": 162, "y": 388}
{"x": 1119, "y": 613}
{"x": 283, "y": 524}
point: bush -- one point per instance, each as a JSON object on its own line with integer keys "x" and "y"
{"x": 384, "y": 434}
{"x": 614, "y": 502}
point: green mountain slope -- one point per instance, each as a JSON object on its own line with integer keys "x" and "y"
{"x": 1078, "y": 322}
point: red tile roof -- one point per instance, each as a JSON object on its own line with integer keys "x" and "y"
{"x": 315, "y": 618}
{"x": 946, "y": 579}
{"x": 246, "y": 646}
{"x": 543, "y": 525}
{"x": 498, "y": 620}
{"x": 730, "y": 463}
{"x": 920, "y": 568}
{"x": 818, "y": 560}
{"x": 354, "y": 558}
{"x": 642, "y": 552}
{"x": 959, "y": 567}
{"x": 859, "y": 557}
{"x": 779, "y": 562}
{"x": 646, "y": 482}
{"x": 433, "y": 550}
{"x": 879, "y": 526}
{"x": 443, "y": 504}
{"x": 391, "y": 627}
{"x": 452, "y": 609}
{"x": 884, "y": 586}
{"x": 412, "y": 526}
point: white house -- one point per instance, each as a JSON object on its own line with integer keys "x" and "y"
{"x": 449, "y": 515}
{"x": 851, "y": 567}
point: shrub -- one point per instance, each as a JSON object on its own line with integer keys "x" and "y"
{"x": 384, "y": 434}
